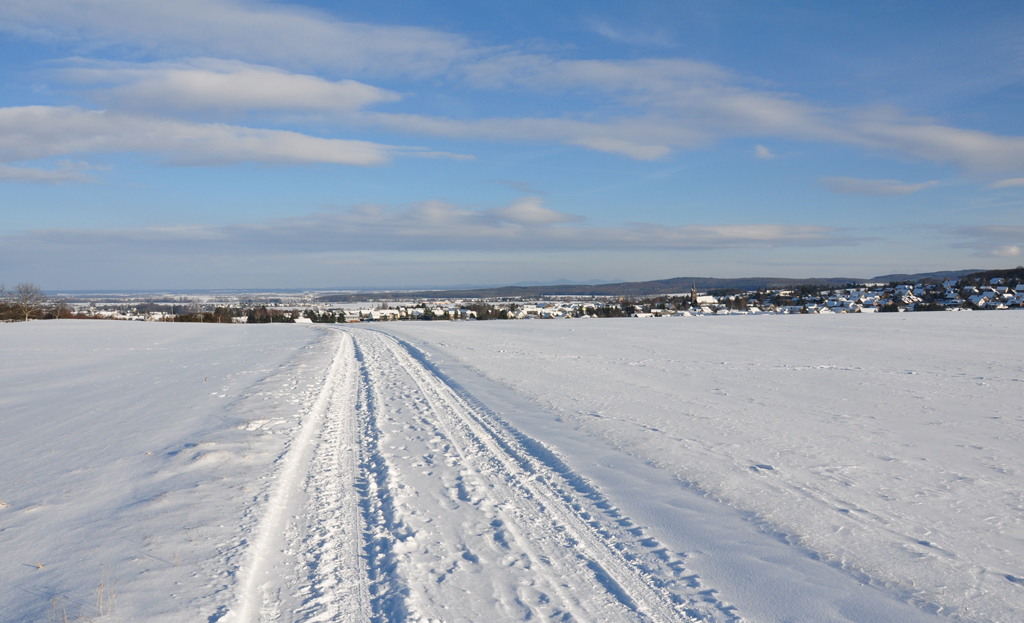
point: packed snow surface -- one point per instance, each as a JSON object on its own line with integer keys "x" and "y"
{"x": 855, "y": 468}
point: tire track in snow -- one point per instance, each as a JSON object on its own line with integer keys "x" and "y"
{"x": 425, "y": 554}
{"x": 335, "y": 587}
{"x": 348, "y": 530}
{"x": 381, "y": 527}
{"x": 587, "y": 552}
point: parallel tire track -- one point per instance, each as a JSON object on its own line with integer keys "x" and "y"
{"x": 333, "y": 542}
{"x": 534, "y": 488}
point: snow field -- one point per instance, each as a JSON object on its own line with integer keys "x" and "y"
{"x": 329, "y": 476}
{"x": 137, "y": 453}
{"x": 713, "y": 469}
{"x": 888, "y": 446}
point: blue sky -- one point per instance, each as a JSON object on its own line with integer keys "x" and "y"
{"x": 221, "y": 144}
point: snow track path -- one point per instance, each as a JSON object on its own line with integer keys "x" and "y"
{"x": 403, "y": 498}
{"x": 489, "y": 524}
{"x": 304, "y": 563}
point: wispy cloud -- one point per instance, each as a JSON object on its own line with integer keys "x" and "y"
{"x": 643, "y": 109}
{"x": 763, "y": 153}
{"x": 670, "y": 104}
{"x": 631, "y": 36}
{"x": 209, "y": 84}
{"x": 255, "y": 32}
{"x": 874, "y": 188}
{"x": 35, "y": 132}
{"x": 65, "y": 172}
{"x": 640, "y": 140}
{"x": 1010, "y": 183}
{"x": 990, "y": 240}
{"x": 972, "y": 150}
{"x": 531, "y": 211}
{"x": 523, "y": 226}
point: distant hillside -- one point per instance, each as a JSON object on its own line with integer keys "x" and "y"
{"x": 936, "y": 276}
{"x": 677, "y": 285}
{"x": 1010, "y": 274}
{"x": 635, "y": 288}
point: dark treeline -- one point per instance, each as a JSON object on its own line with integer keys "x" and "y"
{"x": 326, "y": 317}
{"x": 27, "y": 302}
{"x": 258, "y": 315}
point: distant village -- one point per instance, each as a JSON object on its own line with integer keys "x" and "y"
{"x": 969, "y": 294}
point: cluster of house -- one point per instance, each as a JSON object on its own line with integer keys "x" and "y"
{"x": 440, "y": 311}
{"x": 868, "y": 298}
{"x": 949, "y": 295}
{"x": 997, "y": 296}
{"x": 996, "y": 293}
{"x": 120, "y": 313}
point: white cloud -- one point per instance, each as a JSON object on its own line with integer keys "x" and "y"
{"x": 875, "y": 188}
{"x": 972, "y": 150}
{"x": 1011, "y": 250}
{"x": 763, "y": 153}
{"x": 680, "y": 103}
{"x": 681, "y": 96}
{"x": 203, "y": 84}
{"x": 35, "y": 132}
{"x": 531, "y": 211}
{"x": 667, "y": 104}
{"x": 643, "y": 109}
{"x": 256, "y": 32}
{"x": 619, "y": 146}
{"x": 1010, "y": 183}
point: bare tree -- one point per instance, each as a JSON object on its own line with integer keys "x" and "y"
{"x": 27, "y": 299}
{"x": 59, "y": 307}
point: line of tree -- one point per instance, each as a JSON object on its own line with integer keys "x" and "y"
{"x": 219, "y": 315}
{"x": 262, "y": 315}
{"x": 326, "y": 317}
{"x": 484, "y": 311}
{"x": 26, "y": 301}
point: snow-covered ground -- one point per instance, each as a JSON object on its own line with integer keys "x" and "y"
{"x": 132, "y": 456}
{"x": 890, "y": 446}
{"x": 759, "y": 469}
